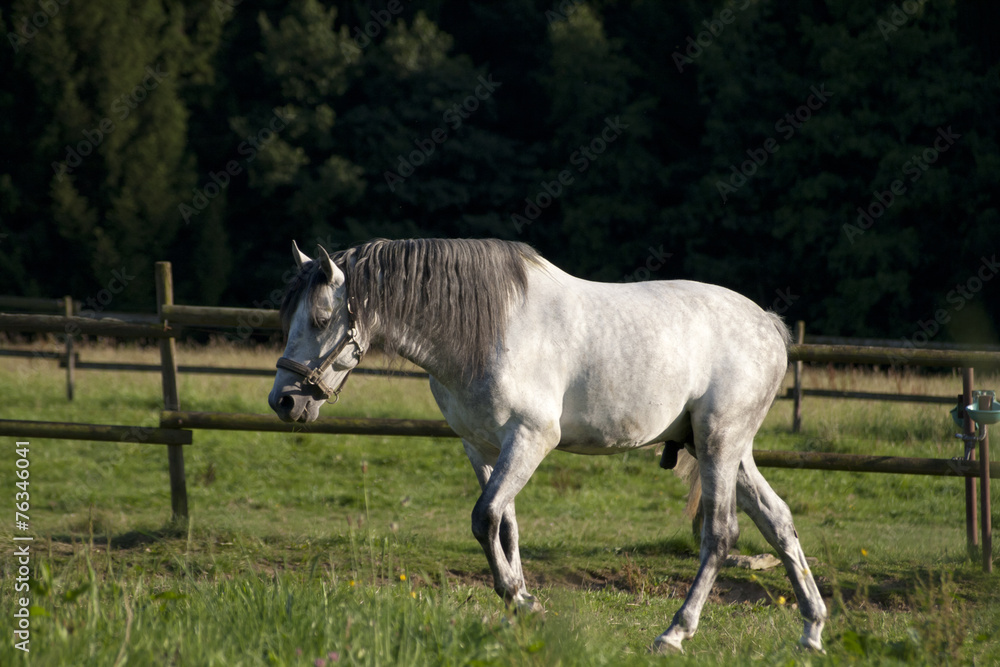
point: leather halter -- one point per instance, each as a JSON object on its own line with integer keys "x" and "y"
{"x": 314, "y": 376}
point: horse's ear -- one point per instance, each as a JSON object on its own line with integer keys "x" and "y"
{"x": 299, "y": 256}
{"x": 333, "y": 274}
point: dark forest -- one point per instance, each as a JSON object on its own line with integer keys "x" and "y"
{"x": 835, "y": 160}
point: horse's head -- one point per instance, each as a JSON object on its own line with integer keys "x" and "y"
{"x": 322, "y": 346}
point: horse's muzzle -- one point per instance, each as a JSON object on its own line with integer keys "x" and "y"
{"x": 294, "y": 406}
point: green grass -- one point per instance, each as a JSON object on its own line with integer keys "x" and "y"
{"x": 297, "y": 542}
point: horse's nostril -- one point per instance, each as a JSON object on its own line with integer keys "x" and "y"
{"x": 286, "y": 402}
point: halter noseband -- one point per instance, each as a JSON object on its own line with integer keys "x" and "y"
{"x": 314, "y": 376}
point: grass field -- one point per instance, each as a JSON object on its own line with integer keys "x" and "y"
{"x": 356, "y": 550}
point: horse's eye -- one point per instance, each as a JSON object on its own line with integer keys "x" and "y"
{"x": 322, "y": 323}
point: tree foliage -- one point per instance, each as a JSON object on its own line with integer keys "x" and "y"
{"x": 833, "y": 160}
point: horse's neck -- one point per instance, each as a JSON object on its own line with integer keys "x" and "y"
{"x": 414, "y": 343}
{"x": 424, "y": 352}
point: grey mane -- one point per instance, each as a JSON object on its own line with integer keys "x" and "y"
{"x": 455, "y": 292}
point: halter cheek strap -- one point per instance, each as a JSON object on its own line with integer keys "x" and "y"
{"x": 314, "y": 376}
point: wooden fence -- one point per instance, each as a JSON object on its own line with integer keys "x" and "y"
{"x": 267, "y": 320}
{"x": 177, "y": 426}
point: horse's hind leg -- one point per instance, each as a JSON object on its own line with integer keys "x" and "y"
{"x": 772, "y": 516}
{"x": 719, "y": 532}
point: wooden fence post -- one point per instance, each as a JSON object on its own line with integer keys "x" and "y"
{"x": 171, "y": 398}
{"x": 969, "y": 430}
{"x": 985, "y": 403}
{"x": 70, "y": 361}
{"x": 800, "y": 337}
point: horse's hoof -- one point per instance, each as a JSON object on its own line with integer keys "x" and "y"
{"x": 664, "y": 646}
{"x": 528, "y": 605}
{"x": 812, "y": 637}
{"x": 811, "y": 645}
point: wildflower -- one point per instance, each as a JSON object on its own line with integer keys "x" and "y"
{"x": 334, "y": 656}
{"x": 351, "y": 583}
{"x": 413, "y": 594}
{"x": 781, "y": 599}
{"x": 402, "y": 577}
{"x": 319, "y": 662}
{"x": 864, "y": 552}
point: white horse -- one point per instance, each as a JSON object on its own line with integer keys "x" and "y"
{"x": 525, "y": 359}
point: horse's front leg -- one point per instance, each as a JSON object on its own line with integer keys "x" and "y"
{"x": 509, "y": 544}
{"x": 493, "y": 521}
{"x": 483, "y": 459}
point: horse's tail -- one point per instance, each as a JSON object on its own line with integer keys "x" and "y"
{"x": 779, "y": 324}
{"x": 688, "y": 470}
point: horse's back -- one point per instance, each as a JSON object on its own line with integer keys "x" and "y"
{"x": 665, "y": 326}
{"x": 628, "y": 363}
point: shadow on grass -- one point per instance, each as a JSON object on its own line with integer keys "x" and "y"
{"x": 682, "y": 546}
{"x": 678, "y": 545}
{"x": 125, "y": 541}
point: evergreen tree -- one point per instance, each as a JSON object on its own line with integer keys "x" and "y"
{"x": 389, "y": 133}
{"x": 112, "y": 136}
{"x": 835, "y": 103}
{"x": 598, "y": 156}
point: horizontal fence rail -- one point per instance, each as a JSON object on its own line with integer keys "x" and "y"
{"x": 900, "y": 465}
{"x": 230, "y": 421}
{"x": 33, "y": 304}
{"x": 83, "y": 326}
{"x": 256, "y": 318}
{"x": 440, "y": 429}
{"x": 896, "y": 343}
{"x": 35, "y": 354}
{"x": 857, "y": 354}
{"x": 97, "y": 432}
{"x": 869, "y": 396}
{"x": 219, "y": 370}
